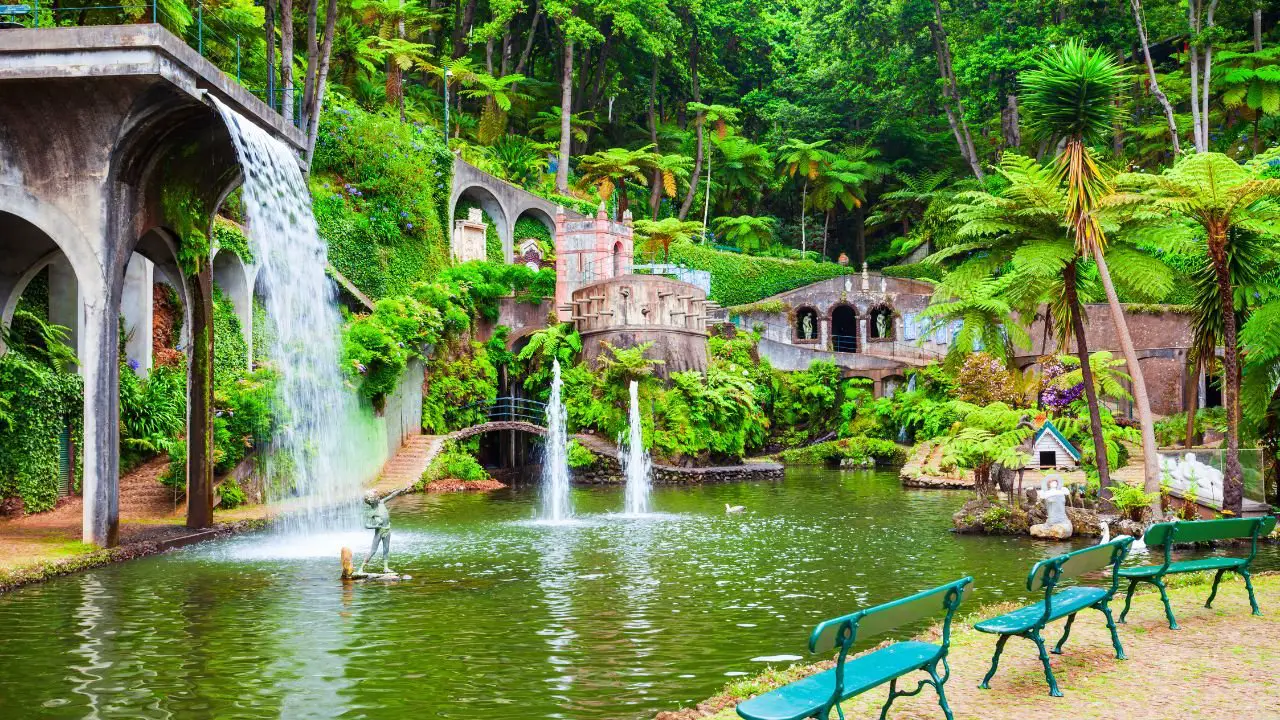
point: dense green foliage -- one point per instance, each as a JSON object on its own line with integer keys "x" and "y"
{"x": 740, "y": 279}
{"x": 40, "y": 401}
{"x": 454, "y": 463}
{"x": 379, "y": 188}
{"x": 860, "y": 450}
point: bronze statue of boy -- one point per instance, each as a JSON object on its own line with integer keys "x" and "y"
{"x": 378, "y": 519}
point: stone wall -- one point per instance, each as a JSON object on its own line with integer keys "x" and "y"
{"x": 635, "y": 309}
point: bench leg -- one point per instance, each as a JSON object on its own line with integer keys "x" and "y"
{"x": 1115, "y": 636}
{"x": 1214, "y": 592}
{"x": 1066, "y": 633}
{"x": 1044, "y": 660}
{"x": 893, "y": 694}
{"x": 1248, "y": 584}
{"x": 995, "y": 663}
{"x": 942, "y": 693}
{"x": 1164, "y": 597}
{"x": 1128, "y": 599}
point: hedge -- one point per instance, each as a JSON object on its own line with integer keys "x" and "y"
{"x": 741, "y": 279}
{"x": 860, "y": 449}
{"x": 915, "y": 271}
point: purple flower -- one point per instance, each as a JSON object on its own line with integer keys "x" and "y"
{"x": 361, "y": 368}
{"x": 404, "y": 214}
{"x": 408, "y": 226}
{"x": 134, "y": 365}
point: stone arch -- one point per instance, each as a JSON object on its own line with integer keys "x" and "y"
{"x": 541, "y": 216}
{"x": 881, "y": 322}
{"x": 490, "y": 203}
{"x": 891, "y": 384}
{"x": 617, "y": 260}
{"x": 802, "y": 332}
{"x": 236, "y": 281}
{"x": 844, "y": 328}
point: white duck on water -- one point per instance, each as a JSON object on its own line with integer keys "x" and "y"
{"x": 731, "y": 509}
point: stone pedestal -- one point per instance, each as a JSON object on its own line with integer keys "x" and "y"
{"x": 469, "y": 237}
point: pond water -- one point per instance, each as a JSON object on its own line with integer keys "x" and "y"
{"x": 607, "y": 618}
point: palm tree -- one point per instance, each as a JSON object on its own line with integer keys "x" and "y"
{"x": 1252, "y": 82}
{"x": 612, "y": 168}
{"x": 1108, "y": 379}
{"x": 518, "y": 159}
{"x": 656, "y": 234}
{"x": 547, "y": 124}
{"x": 388, "y": 45}
{"x": 984, "y": 312}
{"x": 667, "y": 170}
{"x": 810, "y": 160}
{"x": 841, "y": 183}
{"x": 1070, "y": 96}
{"x": 748, "y": 232}
{"x": 719, "y": 116}
{"x": 745, "y": 169}
{"x": 907, "y": 204}
{"x": 1224, "y": 198}
{"x": 1023, "y": 232}
{"x": 497, "y": 94}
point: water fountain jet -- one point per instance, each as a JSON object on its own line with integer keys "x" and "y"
{"x": 555, "y": 463}
{"x": 636, "y": 466}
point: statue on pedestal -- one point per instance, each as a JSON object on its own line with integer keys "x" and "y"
{"x": 378, "y": 519}
{"x": 1057, "y": 526}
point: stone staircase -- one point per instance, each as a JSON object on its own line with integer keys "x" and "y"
{"x": 407, "y": 465}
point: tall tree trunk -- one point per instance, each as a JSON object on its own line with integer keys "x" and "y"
{"x": 859, "y": 235}
{"x": 1142, "y": 403}
{"x": 706, "y": 203}
{"x": 655, "y": 181}
{"x": 528, "y": 43}
{"x": 1232, "y": 482}
{"x": 826, "y": 228}
{"x": 566, "y": 118}
{"x": 463, "y": 29}
{"x": 1140, "y": 20}
{"x": 623, "y": 204}
{"x": 1257, "y": 29}
{"x": 1010, "y": 122}
{"x": 286, "y": 59}
{"x": 313, "y": 52}
{"x": 322, "y": 79}
{"x": 804, "y": 201}
{"x": 1191, "y": 399}
{"x": 698, "y": 140}
{"x": 1070, "y": 278}
{"x": 269, "y": 20}
{"x": 951, "y": 94}
{"x": 1199, "y": 86}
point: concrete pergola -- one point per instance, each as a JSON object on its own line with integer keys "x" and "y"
{"x": 108, "y": 149}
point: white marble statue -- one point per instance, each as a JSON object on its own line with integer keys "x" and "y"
{"x": 1057, "y": 526}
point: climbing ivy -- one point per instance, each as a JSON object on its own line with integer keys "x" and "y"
{"x": 188, "y": 219}
{"x": 461, "y": 383}
{"x": 38, "y": 403}
{"x": 230, "y": 354}
{"x": 378, "y": 188}
{"x": 529, "y": 228}
{"x": 229, "y": 237}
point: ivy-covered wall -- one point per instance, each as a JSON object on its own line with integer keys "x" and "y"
{"x": 527, "y": 227}
{"x": 37, "y": 404}
{"x": 379, "y": 188}
{"x": 740, "y": 279}
{"x": 492, "y": 241}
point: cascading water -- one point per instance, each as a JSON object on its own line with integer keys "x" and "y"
{"x": 635, "y": 461}
{"x": 555, "y": 463}
{"x": 320, "y": 453}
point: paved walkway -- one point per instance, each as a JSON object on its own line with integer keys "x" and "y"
{"x": 1221, "y": 664}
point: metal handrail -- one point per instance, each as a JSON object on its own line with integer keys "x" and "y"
{"x": 211, "y": 28}
{"x": 510, "y": 408}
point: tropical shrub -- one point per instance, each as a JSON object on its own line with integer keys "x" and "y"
{"x": 461, "y": 385}
{"x": 861, "y": 450}
{"x": 983, "y": 379}
{"x": 38, "y": 404}
{"x": 454, "y": 463}
{"x": 1132, "y": 502}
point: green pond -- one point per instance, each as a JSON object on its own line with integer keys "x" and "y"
{"x": 607, "y": 618}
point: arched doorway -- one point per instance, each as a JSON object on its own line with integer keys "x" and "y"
{"x": 844, "y": 329}
{"x": 880, "y": 323}
{"x": 477, "y": 196}
{"x": 617, "y": 259}
{"x": 806, "y": 326}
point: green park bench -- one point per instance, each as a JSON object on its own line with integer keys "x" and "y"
{"x": 816, "y": 695}
{"x": 1027, "y": 622}
{"x": 1166, "y": 534}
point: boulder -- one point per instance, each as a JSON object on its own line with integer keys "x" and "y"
{"x": 1060, "y": 531}
{"x": 1085, "y": 522}
{"x": 984, "y": 517}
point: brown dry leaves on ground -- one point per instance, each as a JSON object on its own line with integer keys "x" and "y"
{"x": 1223, "y": 663}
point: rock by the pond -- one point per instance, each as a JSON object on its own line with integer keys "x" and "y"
{"x": 1052, "y": 531}
{"x": 984, "y": 517}
{"x": 1125, "y": 526}
{"x": 1085, "y": 522}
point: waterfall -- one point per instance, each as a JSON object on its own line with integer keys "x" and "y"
{"x": 555, "y": 463}
{"x": 635, "y": 461}
{"x": 320, "y": 453}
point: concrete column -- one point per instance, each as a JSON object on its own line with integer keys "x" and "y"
{"x": 66, "y": 304}
{"x": 100, "y": 368}
{"x": 200, "y": 402}
{"x": 137, "y": 306}
{"x": 824, "y": 332}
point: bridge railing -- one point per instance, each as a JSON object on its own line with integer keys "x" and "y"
{"x": 213, "y": 38}
{"x": 513, "y": 409}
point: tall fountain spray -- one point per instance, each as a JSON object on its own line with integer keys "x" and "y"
{"x": 635, "y": 461}
{"x": 555, "y": 463}
{"x": 319, "y": 447}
